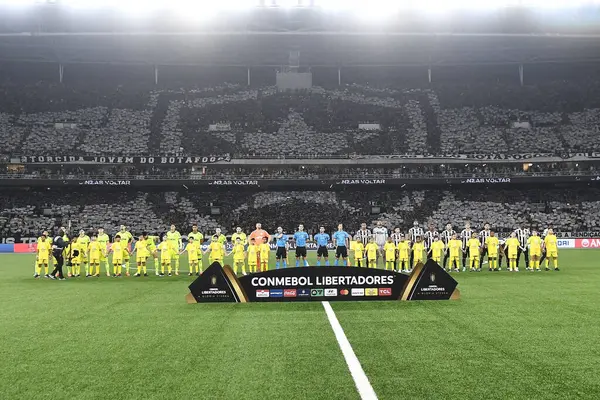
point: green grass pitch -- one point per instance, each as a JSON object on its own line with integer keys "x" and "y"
{"x": 510, "y": 336}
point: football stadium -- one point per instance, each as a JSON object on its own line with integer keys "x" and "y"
{"x": 299, "y": 199}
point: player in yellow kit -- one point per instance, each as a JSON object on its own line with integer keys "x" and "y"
{"x": 216, "y": 250}
{"x": 511, "y": 248}
{"x": 118, "y": 248}
{"x": 126, "y": 239}
{"x": 491, "y": 244}
{"x": 165, "y": 256}
{"x": 192, "y": 249}
{"x": 198, "y": 239}
{"x": 455, "y": 250}
{"x": 239, "y": 235}
{"x": 83, "y": 242}
{"x": 94, "y": 252}
{"x": 49, "y": 240}
{"x": 141, "y": 256}
{"x": 390, "y": 253}
{"x": 418, "y": 248}
{"x": 239, "y": 254}
{"x": 104, "y": 242}
{"x": 437, "y": 249}
{"x": 44, "y": 247}
{"x": 252, "y": 256}
{"x": 535, "y": 251}
{"x": 265, "y": 251}
{"x": 403, "y": 255}
{"x": 75, "y": 257}
{"x": 371, "y": 250}
{"x": 474, "y": 246}
{"x": 174, "y": 238}
{"x": 359, "y": 251}
{"x": 551, "y": 246}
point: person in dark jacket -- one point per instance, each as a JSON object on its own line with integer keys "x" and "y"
{"x": 61, "y": 241}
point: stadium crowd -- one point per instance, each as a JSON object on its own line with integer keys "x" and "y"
{"x": 250, "y": 122}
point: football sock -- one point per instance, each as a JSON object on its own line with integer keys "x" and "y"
{"x": 297, "y": 263}
{"x": 336, "y": 262}
{"x": 277, "y": 265}
{"x": 327, "y": 262}
{"x": 318, "y": 263}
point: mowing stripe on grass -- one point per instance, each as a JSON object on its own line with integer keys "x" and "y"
{"x": 365, "y": 390}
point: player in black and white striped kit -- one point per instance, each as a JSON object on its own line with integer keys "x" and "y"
{"x": 483, "y": 235}
{"x": 523, "y": 234}
{"x": 446, "y": 236}
{"x": 413, "y": 232}
{"x": 397, "y": 237}
{"x": 364, "y": 234}
{"x": 465, "y": 235}
{"x": 429, "y": 236}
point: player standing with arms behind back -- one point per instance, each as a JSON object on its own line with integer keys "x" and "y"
{"x": 322, "y": 240}
{"x": 380, "y": 233}
{"x": 300, "y": 237}
{"x": 413, "y": 233}
{"x": 341, "y": 241}
{"x": 483, "y": 236}
{"x": 465, "y": 236}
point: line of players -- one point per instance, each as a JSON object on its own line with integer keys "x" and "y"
{"x": 403, "y": 252}
{"x": 398, "y": 251}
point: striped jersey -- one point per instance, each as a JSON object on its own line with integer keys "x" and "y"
{"x": 414, "y": 232}
{"x": 429, "y": 235}
{"x": 364, "y": 236}
{"x": 465, "y": 235}
{"x": 396, "y": 237}
{"x": 545, "y": 233}
{"x": 483, "y": 235}
{"x": 447, "y": 235}
{"x": 381, "y": 235}
{"x": 522, "y": 235}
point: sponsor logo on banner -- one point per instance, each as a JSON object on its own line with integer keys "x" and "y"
{"x": 361, "y": 182}
{"x": 566, "y": 243}
{"x": 233, "y": 183}
{"x": 385, "y": 291}
{"x": 591, "y": 243}
{"x": 303, "y": 293}
{"x": 371, "y": 292}
{"x": 316, "y": 292}
{"x": 289, "y": 292}
{"x": 262, "y": 293}
{"x": 486, "y": 180}
{"x": 106, "y": 183}
{"x": 344, "y": 292}
{"x": 357, "y": 292}
{"x": 330, "y": 292}
{"x": 276, "y": 293}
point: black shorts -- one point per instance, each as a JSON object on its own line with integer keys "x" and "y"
{"x": 322, "y": 252}
{"x": 341, "y": 251}
{"x": 301, "y": 252}
{"x": 281, "y": 253}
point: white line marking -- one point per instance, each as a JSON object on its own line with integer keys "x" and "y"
{"x": 365, "y": 390}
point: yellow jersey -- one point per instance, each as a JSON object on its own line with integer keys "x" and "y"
{"x": 75, "y": 247}
{"x": 474, "y": 245}
{"x": 512, "y": 244}
{"x": 103, "y": 240}
{"x": 238, "y": 251}
{"x": 84, "y": 242}
{"x": 535, "y": 244}
{"x": 95, "y": 250}
{"x": 492, "y": 245}
{"x": 437, "y": 249}
{"x": 126, "y": 237}
{"x": 165, "y": 250}
{"x": 390, "y": 251}
{"x": 174, "y": 240}
{"x": 550, "y": 242}
{"x": 358, "y": 249}
{"x": 198, "y": 237}
{"x": 236, "y": 236}
{"x": 118, "y": 248}
{"x": 417, "y": 249}
{"x": 264, "y": 251}
{"x": 216, "y": 250}
{"x": 403, "y": 250}
{"x": 252, "y": 253}
{"x": 192, "y": 249}
{"x": 371, "y": 249}
{"x": 141, "y": 249}
{"x": 455, "y": 247}
{"x": 43, "y": 248}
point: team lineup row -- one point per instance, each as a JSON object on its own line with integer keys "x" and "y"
{"x": 399, "y": 252}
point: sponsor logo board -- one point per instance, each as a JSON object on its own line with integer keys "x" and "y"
{"x": 357, "y": 292}
{"x": 262, "y": 293}
{"x": 330, "y": 292}
{"x": 316, "y": 292}
{"x": 276, "y": 293}
{"x": 303, "y": 293}
{"x": 289, "y": 292}
{"x": 371, "y": 292}
{"x": 385, "y": 291}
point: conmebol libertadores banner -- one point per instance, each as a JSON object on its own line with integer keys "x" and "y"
{"x": 426, "y": 282}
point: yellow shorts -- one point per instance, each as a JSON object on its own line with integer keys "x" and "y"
{"x": 117, "y": 261}
{"x": 474, "y": 258}
{"x": 165, "y": 261}
{"x": 418, "y": 260}
{"x": 552, "y": 254}
{"x": 535, "y": 254}
{"x": 251, "y": 265}
{"x": 512, "y": 255}
{"x": 492, "y": 255}
{"x": 238, "y": 260}
{"x": 141, "y": 259}
{"x": 42, "y": 261}
{"x": 94, "y": 260}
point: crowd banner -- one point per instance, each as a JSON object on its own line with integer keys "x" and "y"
{"x": 72, "y": 159}
{"x": 426, "y": 282}
{"x": 298, "y": 183}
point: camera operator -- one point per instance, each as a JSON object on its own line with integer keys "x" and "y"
{"x": 60, "y": 243}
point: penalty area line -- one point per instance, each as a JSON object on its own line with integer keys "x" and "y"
{"x": 365, "y": 390}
